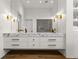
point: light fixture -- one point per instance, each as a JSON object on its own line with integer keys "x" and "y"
{"x": 40, "y": 1}
{"x": 60, "y": 15}
{"x": 27, "y": 1}
{"x": 9, "y": 17}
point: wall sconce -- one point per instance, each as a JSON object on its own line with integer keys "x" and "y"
{"x": 60, "y": 15}
{"x": 8, "y": 17}
{"x": 13, "y": 20}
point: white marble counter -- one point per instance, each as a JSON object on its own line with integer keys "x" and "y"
{"x": 33, "y": 35}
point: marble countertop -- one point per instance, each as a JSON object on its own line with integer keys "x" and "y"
{"x": 32, "y": 35}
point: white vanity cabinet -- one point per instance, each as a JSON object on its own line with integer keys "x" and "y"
{"x": 34, "y": 42}
{"x": 15, "y": 43}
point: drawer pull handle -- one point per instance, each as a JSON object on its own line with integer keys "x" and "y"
{"x": 52, "y": 45}
{"x": 15, "y": 39}
{"x": 51, "y": 40}
{"x": 15, "y": 44}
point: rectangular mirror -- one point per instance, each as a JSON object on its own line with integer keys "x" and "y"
{"x": 35, "y": 16}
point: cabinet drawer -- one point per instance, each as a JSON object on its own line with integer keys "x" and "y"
{"x": 15, "y": 40}
{"x": 12, "y": 46}
{"x": 12, "y": 40}
{"x": 15, "y": 45}
{"x": 32, "y": 43}
{"x": 52, "y": 43}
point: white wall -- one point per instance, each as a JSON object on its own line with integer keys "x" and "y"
{"x": 4, "y": 6}
{"x": 75, "y": 44}
{"x": 36, "y": 13}
{"x": 17, "y": 10}
{"x": 71, "y": 43}
{"x": 4, "y": 10}
{"x": 69, "y": 30}
{"x": 5, "y": 25}
{"x": 62, "y": 7}
{"x": 71, "y": 36}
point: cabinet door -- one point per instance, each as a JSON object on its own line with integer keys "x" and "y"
{"x": 60, "y": 43}
{"x": 30, "y": 42}
{"x": 33, "y": 43}
{"x": 36, "y": 41}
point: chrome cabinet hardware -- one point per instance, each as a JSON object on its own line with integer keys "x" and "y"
{"x": 50, "y": 40}
{"x": 52, "y": 45}
{"x": 15, "y": 39}
{"x": 15, "y": 44}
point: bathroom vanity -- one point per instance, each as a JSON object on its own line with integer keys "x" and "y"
{"x": 34, "y": 41}
{"x": 35, "y": 26}
{"x": 40, "y": 24}
{"x": 37, "y": 34}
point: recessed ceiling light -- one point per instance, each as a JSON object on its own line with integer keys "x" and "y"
{"x": 40, "y": 1}
{"x": 51, "y": 2}
{"x": 27, "y": 1}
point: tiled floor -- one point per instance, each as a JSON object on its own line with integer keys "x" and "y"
{"x": 32, "y": 54}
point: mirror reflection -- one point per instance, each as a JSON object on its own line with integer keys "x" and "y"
{"x": 35, "y": 16}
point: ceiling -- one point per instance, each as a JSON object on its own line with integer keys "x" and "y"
{"x": 40, "y": 3}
